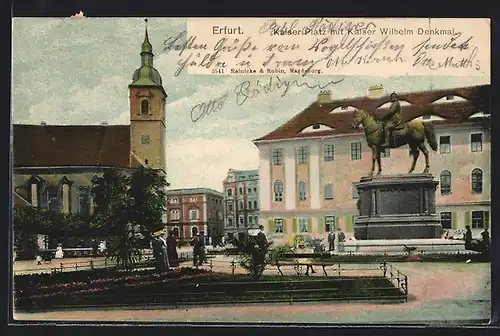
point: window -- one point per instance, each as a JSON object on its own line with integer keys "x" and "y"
{"x": 480, "y": 219}
{"x": 354, "y": 191}
{"x": 344, "y": 107}
{"x": 249, "y": 205}
{"x": 254, "y": 190}
{"x": 175, "y": 214}
{"x": 229, "y": 192}
{"x": 192, "y": 199}
{"x": 328, "y": 191}
{"x": 242, "y": 220}
{"x": 303, "y": 225}
{"x": 144, "y": 107}
{"x": 445, "y": 144}
{"x": 145, "y": 139}
{"x": 445, "y": 181}
{"x": 450, "y": 97}
{"x": 193, "y": 214}
{"x": 476, "y": 142}
{"x": 255, "y": 205}
{"x": 53, "y": 198}
{"x": 241, "y": 190}
{"x": 230, "y": 206}
{"x": 302, "y": 154}
{"x": 174, "y": 200}
{"x": 329, "y": 223}
{"x": 249, "y": 190}
{"x": 229, "y": 222}
{"x": 385, "y": 153}
{"x": 84, "y": 201}
{"x": 446, "y": 220}
{"x": 302, "y": 191}
{"x": 256, "y": 220}
{"x": 194, "y": 231}
{"x": 356, "y": 151}
{"x": 176, "y": 232}
{"x": 477, "y": 181}
{"x": 277, "y": 156}
{"x": 426, "y": 117}
{"x": 328, "y": 152}
{"x": 241, "y": 204}
{"x": 278, "y": 225}
{"x": 278, "y": 191}
{"x": 250, "y": 220}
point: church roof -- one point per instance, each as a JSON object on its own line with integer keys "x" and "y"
{"x": 337, "y": 122}
{"x": 56, "y": 145}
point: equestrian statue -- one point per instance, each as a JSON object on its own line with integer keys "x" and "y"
{"x": 391, "y": 132}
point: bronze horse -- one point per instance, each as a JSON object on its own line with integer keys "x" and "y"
{"x": 413, "y": 133}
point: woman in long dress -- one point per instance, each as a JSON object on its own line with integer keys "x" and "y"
{"x": 173, "y": 257}
{"x": 59, "y": 252}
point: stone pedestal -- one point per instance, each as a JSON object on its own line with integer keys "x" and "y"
{"x": 397, "y": 207}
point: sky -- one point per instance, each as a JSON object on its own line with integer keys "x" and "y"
{"x": 76, "y": 71}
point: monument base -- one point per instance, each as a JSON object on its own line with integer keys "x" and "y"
{"x": 397, "y": 207}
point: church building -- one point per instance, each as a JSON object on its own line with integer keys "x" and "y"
{"x": 54, "y": 165}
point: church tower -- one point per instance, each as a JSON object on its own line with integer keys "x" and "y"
{"x": 147, "y": 112}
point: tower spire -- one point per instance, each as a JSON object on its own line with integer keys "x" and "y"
{"x": 146, "y": 46}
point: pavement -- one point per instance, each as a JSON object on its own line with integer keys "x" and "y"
{"x": 439, "y": 293}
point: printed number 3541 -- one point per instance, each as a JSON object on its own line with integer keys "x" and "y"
{"x": 217, "y": 71}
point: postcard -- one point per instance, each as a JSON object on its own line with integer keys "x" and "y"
{"x": 251, "y": 170}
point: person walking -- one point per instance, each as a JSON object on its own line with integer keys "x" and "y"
{"x": 196, "y": 250}
{"x": 341, "y": 240}
{"x": 203, "y": 252}
{"x": 95, "y": 247}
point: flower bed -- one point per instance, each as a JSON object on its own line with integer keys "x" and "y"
{"x": 191, "y": 286}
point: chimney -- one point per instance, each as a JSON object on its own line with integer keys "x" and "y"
{"x": 104, "y": 123}
{"x": 375, "y": 91}
{"x": 324, "y": 97}
{"x": 43, "y": 123}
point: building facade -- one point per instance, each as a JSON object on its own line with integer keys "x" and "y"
{"x": 241, "y": 201}
{"x": 309, "y": 166}
{"x": 195, "y": 211}
{"x": 54, "y": 165}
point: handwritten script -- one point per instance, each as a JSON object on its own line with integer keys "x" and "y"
{"x": 323, "y": 46}
{"x": 249, "y": 89}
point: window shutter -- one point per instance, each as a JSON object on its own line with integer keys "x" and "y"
{"x": 321, "y": 224}
{"x": 294, "y": 226}
{"x": 348, "y": 226}
{"x": 309, "y": 225}
{"x": 467, "y": 218}
{"x": 271, "y": 226}
{"x": 454, "y": 220}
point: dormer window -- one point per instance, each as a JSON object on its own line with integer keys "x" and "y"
{"x": 315, "y": 127}
{"x": 144, "y": 106}
{"x": 449, "y": 97}
{"x": 344, "y": 107}
{"x": 426, "y": 117}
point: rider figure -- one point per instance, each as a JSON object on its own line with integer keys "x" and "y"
{"x": 391, "y": 119}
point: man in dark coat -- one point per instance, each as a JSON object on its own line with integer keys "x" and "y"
{"x": 173, "y": 257}
{"x": 331, "y": 241}
{"x": 195, "y": 242}
{"x": 391, "y": 120}
{"x": 261, "y": 237}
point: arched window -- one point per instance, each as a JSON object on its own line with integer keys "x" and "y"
{"x": 477, "y": 181}
{"x": 194, "y": 231}
{"x": 445, "y": 181}
{"x": 144, "y": 106}
{"x": 278, "y": 191}
{"x": 302, "y": 191}
{"x": 176, "y": 232}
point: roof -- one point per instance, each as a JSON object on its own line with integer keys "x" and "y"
{"x": 193, "y": 191}
{"x": 476, "y": 98}
{"x": 56, "y": 145}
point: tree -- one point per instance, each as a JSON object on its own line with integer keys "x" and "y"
{"x": 124, "y": 204}
{"x": 26, "y": 222}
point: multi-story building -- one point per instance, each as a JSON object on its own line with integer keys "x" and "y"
{"x": 196, "y": 210}
{"x": 54, "y": 165}
{"x": 241, "y": 197}
{"x": 309, "y": 166}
